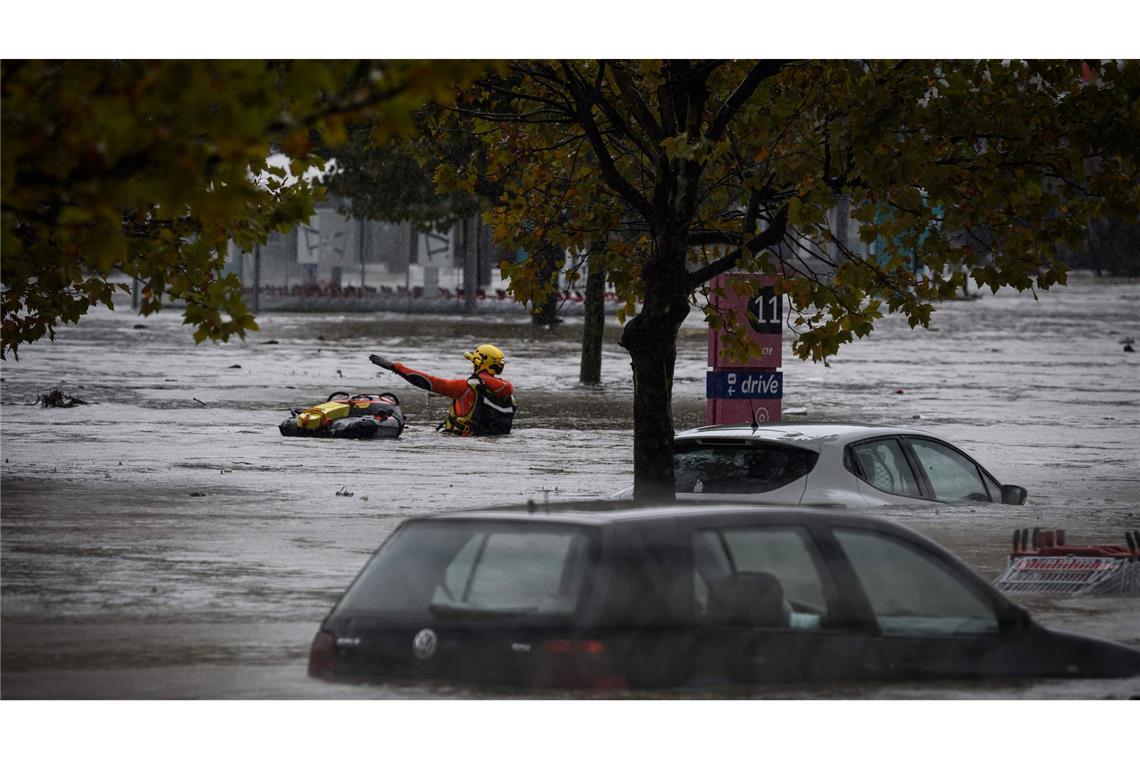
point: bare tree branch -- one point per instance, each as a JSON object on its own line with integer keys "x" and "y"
{"x": 758, "y": 73}
{"x": 610, "y": 172}
{"x": 769, "y": 237}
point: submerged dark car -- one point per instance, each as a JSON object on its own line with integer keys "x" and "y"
{"x": 608, "y": 596}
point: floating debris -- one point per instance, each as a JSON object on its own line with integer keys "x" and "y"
{"x": 270, "y": 342}
{"x": 200, "y": 401}
{"x": 140, "y": 327}
{"x": 234, "y": 366}
{"x": 57, "y": 399}
{"x": 343, "y": 491}
{"x": 197, "y": 493}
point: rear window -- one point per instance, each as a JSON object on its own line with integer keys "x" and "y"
{"x": 475, "y": 569}
{"x": 733, "y": 467}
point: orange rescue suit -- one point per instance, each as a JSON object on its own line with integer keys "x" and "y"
{"x": 462, "y": 391}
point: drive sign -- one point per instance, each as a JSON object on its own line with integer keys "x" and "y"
{"x": 749, "y": 393}
{"x": 743, "y": 383}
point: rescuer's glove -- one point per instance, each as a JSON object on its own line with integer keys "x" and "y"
{"x": 380, "y": 361}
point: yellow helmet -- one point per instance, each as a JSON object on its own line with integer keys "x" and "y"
{"x": 487, "y": 357}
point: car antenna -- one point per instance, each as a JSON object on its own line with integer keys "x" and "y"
{"x": 752, "y": 409}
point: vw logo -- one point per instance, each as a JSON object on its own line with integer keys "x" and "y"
{"x": 424, "y": 643}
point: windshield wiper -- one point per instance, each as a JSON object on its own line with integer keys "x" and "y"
{"x": 479, "y": 613}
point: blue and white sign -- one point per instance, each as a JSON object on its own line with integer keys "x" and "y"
{"x": 744, "y": 383}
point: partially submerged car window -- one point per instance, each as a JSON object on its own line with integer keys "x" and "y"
{"x": 703, "y": 466}
{"x": 884, "y": 466}
{"x": 757, "y": 577}
{"x": 475, "y": 569}
{"x": 953, "y": 476}
{"x": 910, "y": 592}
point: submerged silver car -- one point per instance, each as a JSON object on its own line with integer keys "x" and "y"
{"x": 828, "y": 465}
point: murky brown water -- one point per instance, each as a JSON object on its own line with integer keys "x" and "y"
{"x": 118, "y": 583}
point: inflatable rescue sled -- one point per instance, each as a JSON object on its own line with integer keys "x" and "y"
{"x": 365, "y": 415}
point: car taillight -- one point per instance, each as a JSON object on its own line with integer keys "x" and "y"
{"x": 576, "y": 664}
{"x": 572, "y": 646}
{"x": 322, "y": 655}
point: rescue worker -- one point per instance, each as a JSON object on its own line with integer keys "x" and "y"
{"x": 482, "y": 404}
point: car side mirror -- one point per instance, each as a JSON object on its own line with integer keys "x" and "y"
{"x": 1013, "y": 495}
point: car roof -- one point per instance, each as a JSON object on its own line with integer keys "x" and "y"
{"x": 804, "y": 434}
{"x": 596, "y": 513}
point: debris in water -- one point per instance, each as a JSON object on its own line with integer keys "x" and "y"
{"x": 899, "y": 390}
{"x": 197, "y": 493}
{"x": 57, "y": 399}
{"x": 140, "y": 327}
{"x": 343, "y": 491}
{"x": 200, "y": 401}
{"x": 797, "y": 410}
{"x": 364, "y": 498}
{"x": 226, "y": 470}
{"x": 234, "y": 366}
{"x": 1128, "y": 347}
{"x": 270, "y": 342}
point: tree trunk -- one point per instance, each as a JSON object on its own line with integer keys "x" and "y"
{"x": 651, "y": 339}
{"x": 595, "y": 325}
{"x": 549, "y": 260}
{"x": 257, "y": 279}
{"x": 470, "y": 266}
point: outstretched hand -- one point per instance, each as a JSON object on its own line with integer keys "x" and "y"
{"x": 380, "y": 361}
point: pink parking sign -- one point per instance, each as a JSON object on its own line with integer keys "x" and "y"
{"x": 751, "y": 392}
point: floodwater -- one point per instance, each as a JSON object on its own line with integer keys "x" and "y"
{"x": 165, "y": 541}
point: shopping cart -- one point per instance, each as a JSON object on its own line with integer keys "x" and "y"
{"x": 1043, "y": 562}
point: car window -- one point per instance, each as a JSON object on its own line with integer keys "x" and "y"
{"x": 993, "y": 488}
{"x": 470, "y": 567}
{"x": 704, "y": 467}
{"x": 885, "y": 467}
{"x": 757, "y": 577}
{"x": 523, "y": 569}
{"x": 911, "y": 592}
{"x": 953, "y": 476}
